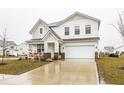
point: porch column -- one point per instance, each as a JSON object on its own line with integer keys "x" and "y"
{"x": 56, "y": 52}
{"x": 45, "y": 47}
{"x": 56, "y": 47}
{"x": 46, "y": 54}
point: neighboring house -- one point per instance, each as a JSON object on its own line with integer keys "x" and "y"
{"x": 11, "y": 48}
{"x": 119, "y": 50}
{"x": 23, "y": 48}
{"x": 76, "y": 36}
{"x": 108, "y": 49}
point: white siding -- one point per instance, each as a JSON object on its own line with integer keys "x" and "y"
{"x": 36, "y": 34}
{"x": 76, "y": 21}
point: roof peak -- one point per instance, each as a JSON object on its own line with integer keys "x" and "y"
{"x": 73, "y": 14}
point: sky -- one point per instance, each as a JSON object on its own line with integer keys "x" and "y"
{"x": 19, "y": 22}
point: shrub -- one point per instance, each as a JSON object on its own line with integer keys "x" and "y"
{"x": 113, "y": 55}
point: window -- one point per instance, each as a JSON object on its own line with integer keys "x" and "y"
{"x": 88, "y": 29}
{"x": 77, "y": 30}
{"x": 12, "y": 47}
{"x": 41, "y": 30}
{"x": 21, "y": 48}
{"x": 40, "y": 47}
{"x": 66, "y": 30}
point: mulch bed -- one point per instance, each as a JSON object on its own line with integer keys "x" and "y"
{"x": 122, "y": 68}
{"x": 1, "y": 64}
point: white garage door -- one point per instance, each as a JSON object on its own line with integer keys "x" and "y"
{"x": 79, "y": 52}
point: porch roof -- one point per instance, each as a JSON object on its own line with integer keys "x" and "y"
{"x": 35, "y": 41}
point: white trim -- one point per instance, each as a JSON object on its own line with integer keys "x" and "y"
{"x": 46, "y": 35}
{"x": 77, "y": 45}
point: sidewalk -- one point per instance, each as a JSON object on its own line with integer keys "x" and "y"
{"x": 10, "y": 58}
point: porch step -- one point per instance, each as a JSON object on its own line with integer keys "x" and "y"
{"x": 49, "y": 60}
{"x": 59, "y": 57}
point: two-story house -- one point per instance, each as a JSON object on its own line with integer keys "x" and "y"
{"x": 76, "y": 36}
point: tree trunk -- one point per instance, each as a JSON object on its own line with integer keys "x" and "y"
{"x": 3, "y": 55}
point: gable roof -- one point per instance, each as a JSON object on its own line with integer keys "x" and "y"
{"x": 37, "y": 24}
{"x": 55, "y": 24}
{"x": 50, "y": 29}
{"x": 52, "y": 32}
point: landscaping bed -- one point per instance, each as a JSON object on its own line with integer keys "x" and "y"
{"x": 9, "y": 57}
{"x": 111, "y": 70}
{"x": 16, "y": 67}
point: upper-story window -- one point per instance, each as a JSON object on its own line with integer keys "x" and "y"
{"x": 88, "y": 29}
{"x": 77, "y": 30}
{"x": 41, "y": 30}
{"x": 12, "y": 47}
{"x": 66, "y": 30}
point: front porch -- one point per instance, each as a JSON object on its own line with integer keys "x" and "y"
{"x": 50, "y": 46}
{"x": 47, "y": 50}
{"x": 52, "y": 50}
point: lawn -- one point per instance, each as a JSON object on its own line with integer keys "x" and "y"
{"x": 111, "y": 70}
{"x": 16, "y": 67}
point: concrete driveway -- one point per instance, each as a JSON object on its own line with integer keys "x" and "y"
{"x": 68, "y": 72}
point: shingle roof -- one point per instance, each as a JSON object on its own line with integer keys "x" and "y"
{"x": 53, "y": 24}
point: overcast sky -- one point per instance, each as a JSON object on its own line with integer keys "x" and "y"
{"x": 19, "y": 22}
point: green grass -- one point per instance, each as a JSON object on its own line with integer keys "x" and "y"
{"x": 109, "y": 70}
{"x": 16, "y": 67}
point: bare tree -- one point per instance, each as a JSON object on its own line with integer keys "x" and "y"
{"x": 120, "y": 24}
{"x": 4, "y": 44}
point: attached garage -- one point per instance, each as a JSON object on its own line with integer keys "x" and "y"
{"x": 81, "y": 51}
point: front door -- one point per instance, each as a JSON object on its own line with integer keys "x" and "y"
{"x": 51, "y": 49}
